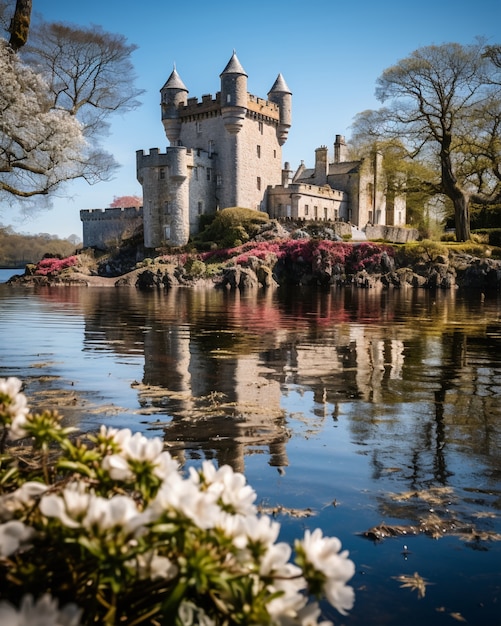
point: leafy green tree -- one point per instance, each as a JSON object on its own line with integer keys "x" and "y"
{"x": 444, "y": 110}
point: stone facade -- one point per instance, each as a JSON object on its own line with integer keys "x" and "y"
{"x": 104, "y": 229}
{"x": 348, "y": 191}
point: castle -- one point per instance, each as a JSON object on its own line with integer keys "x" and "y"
{"x": 226, "y": 151}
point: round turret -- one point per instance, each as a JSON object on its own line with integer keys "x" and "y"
{"x": 233, "y": 95}
{"x": 281, "y": 95}
{"x": 173, "y": 95}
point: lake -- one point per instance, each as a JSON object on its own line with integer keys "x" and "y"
{"x": 375, "y": 415}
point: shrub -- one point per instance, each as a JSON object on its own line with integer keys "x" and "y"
{"x": 54, "y": 265}
{"x": 232, "y": 224}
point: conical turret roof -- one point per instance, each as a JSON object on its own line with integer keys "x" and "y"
{"x": 234, "y": 66}
{"x": 280, "y": 86}
{"x": 174, "y": 82}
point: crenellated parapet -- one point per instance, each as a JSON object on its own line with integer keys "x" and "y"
{"x": 92, "y": 215}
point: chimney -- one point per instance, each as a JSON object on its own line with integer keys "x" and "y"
{"x": 321, "y": 166}
{"x": 339, "y": 149}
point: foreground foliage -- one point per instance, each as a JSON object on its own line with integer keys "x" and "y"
{"x": 113, "y": 532}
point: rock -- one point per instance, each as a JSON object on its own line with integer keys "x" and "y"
{"x": 265, "y": 276}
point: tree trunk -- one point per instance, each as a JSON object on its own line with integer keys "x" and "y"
{"x": 20, "y": 24}
{"x": 462, "y": 217}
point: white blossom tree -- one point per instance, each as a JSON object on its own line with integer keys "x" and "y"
{"x": 56, "y": 96}
{"x": 40, "y": 146}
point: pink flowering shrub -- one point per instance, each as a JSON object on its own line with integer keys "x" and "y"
{"x": 318, "y": 254}
{"x": 53, "y": 265}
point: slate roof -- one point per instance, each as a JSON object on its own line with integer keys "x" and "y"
{"x": 174, "y": 82}
{"x": 234, "y": 66}
{"x": 280, "y": 86}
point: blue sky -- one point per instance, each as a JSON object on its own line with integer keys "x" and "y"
{"x": 329, "y": 52}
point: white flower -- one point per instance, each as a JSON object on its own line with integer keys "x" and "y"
{"x": 70, "y": 507}
{"x": 13, "y": 406}
{"x": 292, "y": 599}
{"x": 120, "y": 512}
{"x": 18, "y": 427}
{"x": 114, "y": 435}
{"x": 275, "y": 560}
{"x": 117, "y": 467}
{"x": 153, "y": 566}
{"x": 185, "y": 498}
{"x": 229, "y": 486}
{"x": 137, "y": 449}
{"x": 261, "y": 529}
{"x": 190, "y": 614}
{"x": 309, "y": 615}
{"x": 323, "y": 553}
{"x": 43, "y": 612}
{"x": 20, "y": 498}
{"x": 12, "y": 534}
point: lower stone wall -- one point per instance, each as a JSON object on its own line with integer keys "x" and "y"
{"x": 106, "y": 228}
{"x": 394, "y": 234}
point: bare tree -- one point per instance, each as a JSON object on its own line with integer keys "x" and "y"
{"x": 89, "y": 72}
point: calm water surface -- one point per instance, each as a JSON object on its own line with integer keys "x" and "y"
{"x": 364, "y": 407}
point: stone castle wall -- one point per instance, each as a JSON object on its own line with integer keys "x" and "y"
{"x": 103, "y": 228}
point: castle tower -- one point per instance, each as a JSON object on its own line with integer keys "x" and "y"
{"x": 233, "y": 95}
{"x": 281, "y": 95}
{"x": 173, "y": 94}
{"x": 225, "y": 151}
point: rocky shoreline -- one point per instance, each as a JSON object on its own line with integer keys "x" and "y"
{"x": 388, "y": 268}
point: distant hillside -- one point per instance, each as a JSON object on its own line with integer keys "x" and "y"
{"x": 17, "y": 249}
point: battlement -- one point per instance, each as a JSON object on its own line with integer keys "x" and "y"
{"x": 263, "y": 107}
{"x": 155, "y": 158}
{"x": 194, "y": 107}
{"x": 110, "y": 213}
{"x": 210, "y": 106}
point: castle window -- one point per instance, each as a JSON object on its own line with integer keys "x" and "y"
{"x": 274, "y": 154}
{"x": 315, "y": 212}
{"x": 219, "y": 180}
{"x": 259, "y": 183}
{"x": 258, "y": 152}
{"x": 211, "y": 147}
{"x": 198, "y": 126}
{"x": 167, "y": 208}
{"x": 161, "y": 174}
{"x": 195, "y": 173}
{"x": 228, "y": 98}
{"x": 209, "y": 173}
{"x": 260, "y": 127}
{"x": 200, "y": 207}
{"x": 306, "y": 209}
{"x": 325, "y": 213}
